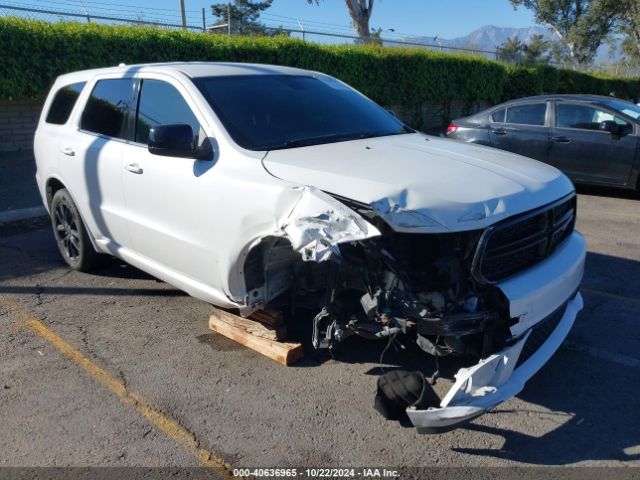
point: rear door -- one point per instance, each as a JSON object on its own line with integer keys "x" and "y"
{"x": 522, "y": 129}
{"x": 584, "y": 152}
{"x": 91, "y": 158}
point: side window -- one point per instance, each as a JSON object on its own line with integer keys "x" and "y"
{"x": 532, "y": 114}
{"x": 586, "y": 117}
{"x": 498, "y": 115}
{"x": 107, "y": 108}
{"x": 161, "y": 104}
{"x": 63, "y": 103}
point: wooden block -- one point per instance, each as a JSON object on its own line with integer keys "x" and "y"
{"x": 256, "y": 336}
{"x": 272, "y": 318}
{"x": 251, "y": 326}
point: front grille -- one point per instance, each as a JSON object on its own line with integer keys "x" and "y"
{"x": 518, "y": 243}
{"x": 540, "y": 333}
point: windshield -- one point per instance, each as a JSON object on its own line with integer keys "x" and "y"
{"x": 269, "y": 112}
{"x": 627, "y": 108}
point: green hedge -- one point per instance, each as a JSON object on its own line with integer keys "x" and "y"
{"x": 33, "y": 53}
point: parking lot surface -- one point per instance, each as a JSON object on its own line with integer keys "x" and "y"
{"x": 115, "y": 368}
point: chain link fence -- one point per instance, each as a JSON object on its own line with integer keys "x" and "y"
{"x": 200, "y": 21}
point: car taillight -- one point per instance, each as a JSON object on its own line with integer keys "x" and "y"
{"x": 451, "y": 128}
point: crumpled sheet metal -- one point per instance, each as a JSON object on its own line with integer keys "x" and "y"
{"x": 318, "y": 223}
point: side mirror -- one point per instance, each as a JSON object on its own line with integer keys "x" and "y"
{"x": 177, "y": 140}
{"x": 610, "y": 126}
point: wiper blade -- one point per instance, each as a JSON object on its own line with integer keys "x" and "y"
{"x": 336, "y": 137}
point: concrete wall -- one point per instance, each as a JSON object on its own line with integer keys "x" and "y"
{"x": 18, "y": 121}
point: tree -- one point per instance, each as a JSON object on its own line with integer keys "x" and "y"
{"x": 360, "y": 12}
{"x": 245, "y": 16}
{"x": 582, "y": 25}
{"x": 511, "y": 50}
{"x": 629, "y": 27}
{"x": 534, "y": 51}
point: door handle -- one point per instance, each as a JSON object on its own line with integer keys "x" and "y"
{"x": 134, "y": 168}
{"x": 68, "y": 151}
{"x": 561, "y": 139}
{"x": 499, "y": 131}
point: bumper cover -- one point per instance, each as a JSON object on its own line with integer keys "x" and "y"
{"x": 544, "y": 291}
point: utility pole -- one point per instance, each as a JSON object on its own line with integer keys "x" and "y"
{"x": 229, "y": 18}
{"x": 85, "y": 11}
{"x": 184, "y": 17}
{"x": 204, "y": 25}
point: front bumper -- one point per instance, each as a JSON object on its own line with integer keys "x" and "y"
{"x": 544, "y": 294}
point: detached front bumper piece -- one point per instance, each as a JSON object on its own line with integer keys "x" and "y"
{"x": 548, "y": 303}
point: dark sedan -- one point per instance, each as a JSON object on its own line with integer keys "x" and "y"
{"x": 593, "y": 139}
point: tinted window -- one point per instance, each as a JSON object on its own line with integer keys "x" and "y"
{"x": 627, "y": 108}
{"x": 63, "y": 103}
{"x": 527, "y": 114}
{"x": 498, "y": 115}
{"x": 107, "y": 108}
{"x": 265, "y": 112}
{"x": 161, "y": 104}
{"x": 585, "y": 117}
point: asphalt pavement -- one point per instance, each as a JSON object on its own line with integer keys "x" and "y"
{"x": 115, "y": 368}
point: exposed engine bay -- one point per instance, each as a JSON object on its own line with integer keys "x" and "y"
{"x": 420, "y": 285}
{"x": 458, "y": 293}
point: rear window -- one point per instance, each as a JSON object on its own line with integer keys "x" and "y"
{"x": 63, "y": 103}
{"x": 108, "y": 107}
{"x": 527, "y": 114}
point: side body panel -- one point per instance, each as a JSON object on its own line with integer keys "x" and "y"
{"x": 529, "y": 140}
{"x": 592, "y": 156}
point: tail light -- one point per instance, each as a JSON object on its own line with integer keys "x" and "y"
{"x": 451, "y": 128}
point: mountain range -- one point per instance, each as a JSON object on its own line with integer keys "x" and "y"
{"x": 491, "y": 36}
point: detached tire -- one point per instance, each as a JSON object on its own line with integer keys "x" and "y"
{"x": 71, "y": 234}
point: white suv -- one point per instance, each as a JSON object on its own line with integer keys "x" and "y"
{"x": 254, "y": 186}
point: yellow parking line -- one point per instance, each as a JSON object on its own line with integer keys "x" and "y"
{"x": 610, "y": 295}
{"x": 168, "y": 426}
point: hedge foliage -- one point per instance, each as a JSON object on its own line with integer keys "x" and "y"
{"x": 33, "y": 53}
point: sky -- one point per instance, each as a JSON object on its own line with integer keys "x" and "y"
{"x": 445, "y": 18}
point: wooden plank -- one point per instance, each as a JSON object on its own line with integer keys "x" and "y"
{"x": 251, "y": 326}
{"x": 272, "y": 318}
{"x": 243, "y": 331}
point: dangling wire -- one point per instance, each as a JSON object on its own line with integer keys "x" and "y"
{"x": 391, "y": 340}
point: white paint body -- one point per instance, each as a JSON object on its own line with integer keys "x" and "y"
{"x": 192, "y": 222}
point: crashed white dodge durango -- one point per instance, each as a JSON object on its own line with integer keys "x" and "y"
{"x": 256, "y": 187}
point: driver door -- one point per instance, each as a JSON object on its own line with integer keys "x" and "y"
{"x": 170, "y": 200}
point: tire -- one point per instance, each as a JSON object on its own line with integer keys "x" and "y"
{"x": 70, "y": 233}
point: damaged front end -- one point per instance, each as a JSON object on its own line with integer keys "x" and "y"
{"x": 447, "y": 292}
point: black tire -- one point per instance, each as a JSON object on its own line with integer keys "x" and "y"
{"x": 71, "y": 234}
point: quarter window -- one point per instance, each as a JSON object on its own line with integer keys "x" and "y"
{"x": 498, "y": 115}
{"x": 63, "y": 103}
{"x": 161, "y": 104}
{"x": 532, "y": 114}
{"x": 107, "y": 108}
{"x": 586, "y": 117}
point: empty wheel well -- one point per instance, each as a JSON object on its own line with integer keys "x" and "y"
{"x": 53, "y": 185}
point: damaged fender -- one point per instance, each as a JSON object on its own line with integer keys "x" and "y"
{"x": 317, "y": 224}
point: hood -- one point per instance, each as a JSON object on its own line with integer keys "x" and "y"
{"x": 424, "y": 184}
